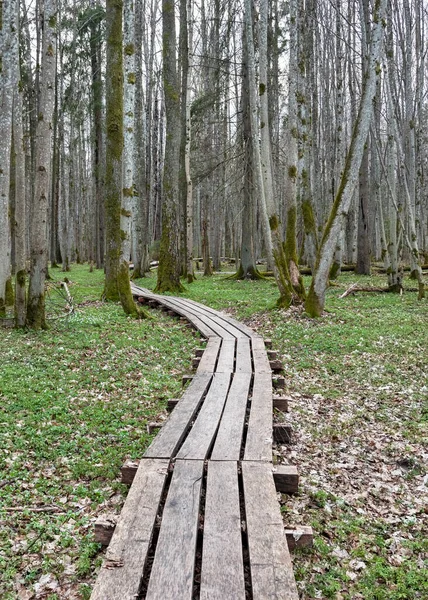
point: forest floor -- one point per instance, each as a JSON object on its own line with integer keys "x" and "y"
{"x": 75, "y": 402}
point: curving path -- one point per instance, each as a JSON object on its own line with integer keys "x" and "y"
{"x": 202, "y": 519}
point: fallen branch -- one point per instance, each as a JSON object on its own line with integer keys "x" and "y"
{"x": 37, "y": 509}
{"x": 354, "y": 288}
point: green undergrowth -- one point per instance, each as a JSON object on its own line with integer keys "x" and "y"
{"x": 357, "y": 382}
{"x": 74, "y": 403}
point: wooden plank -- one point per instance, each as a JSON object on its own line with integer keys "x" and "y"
{"x": 226, "y": 359}
{"x": 229, "y": 437}
{"x": 271, "y": 568}
{"x": 260, "y": 358}
{"x": 222, "y": 563}
{"x": 121, "y": 572}
{"x": 169, "y": 438}
{"x": 201, "y": 436}
{"x": 243, "y": 356}
{"x": 171, "y": 577}
{"x": 259, "y": 434}
{"x": 237, "y": 324}
{"x": 209, "y": 357}
{"x": 220, "y": 323}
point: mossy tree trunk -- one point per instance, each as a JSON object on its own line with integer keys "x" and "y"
{"x": 126, "y": 214}
{"x": 247, "y": 264}
{"x": 7, "y": 33}
{"x": 36, "y": 317}
{"x": 95, "y": 43}
{"x": 169, "y": 259}
{"x": 316, "y": 298}
{"x": 20, "y": 221}
{"x": 291, "y": 175}
{"x": 114, "y": 147}
{"x": 269, "y": 217}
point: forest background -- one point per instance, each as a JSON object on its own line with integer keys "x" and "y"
{"x": 289, "y": 131}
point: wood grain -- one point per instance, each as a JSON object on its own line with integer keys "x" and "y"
{"x": 229, "y": 436}
{"x": 259, "y": 434}
{"x": 271, "y": 568}
{"x": 222, "y": 563}
{"x": 171, "y": 577}
{"x": 201, "y": 436}
{"x": 123, "y": 565}
{"x": 169, "y": 438}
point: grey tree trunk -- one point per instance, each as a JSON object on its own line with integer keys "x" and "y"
{"x": 8, "y": 32}
{"x": 169, "y": 259}
{"x": 316, "y": 298}
{"x": 36, "y": 317}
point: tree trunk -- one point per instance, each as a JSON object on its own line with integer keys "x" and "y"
{"x": 169, "y": 259}
{"x": 316, "y": 298}
{"x": 36, "y": 317}
{"x": 114, "y": 146}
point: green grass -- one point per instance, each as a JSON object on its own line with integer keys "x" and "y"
{"x": 358, "y": 383}
{"x": 75, "y": 401}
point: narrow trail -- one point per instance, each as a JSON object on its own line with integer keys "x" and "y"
{"x": 202, "y": 519}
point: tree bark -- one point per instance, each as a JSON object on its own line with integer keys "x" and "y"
{"x": 316, "y": 298}
{"x": 36, "y": 317}
{"x": 169, "y": 259}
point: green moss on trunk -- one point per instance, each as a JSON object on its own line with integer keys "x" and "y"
{"x": 36, "y": 313}
{"x": 10, "y": 296}
{"x": 313, "y": 305}
{"x": 126, "y": 298}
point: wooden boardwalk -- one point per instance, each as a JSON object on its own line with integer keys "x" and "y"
{"x": 202, "y": 519}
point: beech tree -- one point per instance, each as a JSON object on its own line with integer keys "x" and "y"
{"x": 36, "y": 317}
{"x": 316, "y": 298}
{"x": 169, "y": 259}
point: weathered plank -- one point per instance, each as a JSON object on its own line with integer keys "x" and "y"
{"x": 201, "y": 436}
{"x": 166, "y": 443}
{"x": 271, "y": 568}
{"x": 216, "y": 320}
{"x": 229, "y": 437}
{"x": 211, "y": 311}
{"x": 173, "y": 566}
{"x": 123, "y": 565}
{"x": 209, "y": 357}
{"x": 259, "y": 435}
{"x": 243, "y": 356}
{"x": 226, "y": 359}
{"x": 260, "y": 358}
{"x": 222, "y": 574}
{"x": 195, "y": 314}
